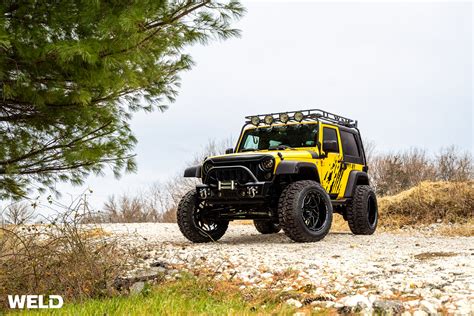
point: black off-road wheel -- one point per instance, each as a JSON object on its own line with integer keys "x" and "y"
{"x": 305, "y": 211}
{"x": 193, "y": 223}
{"x": 266, "y": 227}
{"x": 362, "y": 213}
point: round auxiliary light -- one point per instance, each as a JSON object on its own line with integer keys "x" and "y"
{"x": 267, "y": 164}
{"x": 268, "y": 119}
{"x": 284, "y": 117}
{"x": 255, "y": 120}
{"x": 298, "y": 116}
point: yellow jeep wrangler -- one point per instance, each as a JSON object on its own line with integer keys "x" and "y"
{"x": 288, "y": 171}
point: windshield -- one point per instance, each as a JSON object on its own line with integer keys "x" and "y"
{"x": 279, "y": 137}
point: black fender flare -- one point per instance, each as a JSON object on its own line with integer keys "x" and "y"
{"x": 193, "y": 172}
{"x": 296, "y": 167}
{"x": 355, "y": 177}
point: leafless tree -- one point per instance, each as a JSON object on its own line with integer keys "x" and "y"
{"x": 18, "y": 213}
{"x": 159, "y": 202}
{"x": 393, "y": 172}
{"x": 369, "y": 149}
{"x": 453, "y": 165}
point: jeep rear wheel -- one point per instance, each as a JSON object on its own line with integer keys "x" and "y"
{"x": 194, "y": 224}
{"x": 305, "y": 211}
{"x": 266, "y": 227}
{"x": 362, "y": 212}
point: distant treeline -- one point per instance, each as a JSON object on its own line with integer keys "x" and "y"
{"x": 390, "y": 173}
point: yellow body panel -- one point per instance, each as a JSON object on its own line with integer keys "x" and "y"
{"x": 333, "y": 172}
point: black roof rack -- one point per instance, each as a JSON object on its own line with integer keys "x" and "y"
{"x": 307, "y": 115}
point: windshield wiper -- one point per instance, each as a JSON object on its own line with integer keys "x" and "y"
{"x": 247, "y": 149}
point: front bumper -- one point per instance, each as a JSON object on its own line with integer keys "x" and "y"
{"x": 231, "y": 192}
{"x": 232, "y": 185}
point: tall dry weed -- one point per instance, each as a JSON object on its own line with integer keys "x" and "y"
{"x": 61, "y": 257}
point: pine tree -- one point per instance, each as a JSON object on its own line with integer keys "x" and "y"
{"x": 73, "y": 72}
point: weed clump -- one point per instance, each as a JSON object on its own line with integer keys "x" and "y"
{"x": 62, "y": 257}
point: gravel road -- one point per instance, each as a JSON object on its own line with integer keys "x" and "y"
{"x": 410, "y": 273}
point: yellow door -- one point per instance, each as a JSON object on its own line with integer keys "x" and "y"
{"x": 353, "y": 156}
{"x": 331, "y": 167}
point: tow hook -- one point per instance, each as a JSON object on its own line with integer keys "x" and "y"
{"x": 252, "y": 191}
{"x": 203, "y": 194}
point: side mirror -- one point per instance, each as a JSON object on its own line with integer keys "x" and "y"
{"x": 229, "y": 151}
{"x": 330, "y": 146}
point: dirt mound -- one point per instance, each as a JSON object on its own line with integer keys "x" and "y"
{"x": 429, "y": 202}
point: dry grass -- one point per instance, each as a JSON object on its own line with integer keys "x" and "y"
{"x": 62, "y": 257}
{"x": 339, "y": 224}
{"x": 434, "y": 255}
{"x": 429, "y": 202}
{"x": 94, "y": 232}
{"x": 457, "y": 229}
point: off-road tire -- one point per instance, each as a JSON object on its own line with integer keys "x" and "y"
{"x": 266, "y": 227}
{"x": 187, "y": 225}
{"x": 359, "y": 215}
{"x": 290, "y": 211}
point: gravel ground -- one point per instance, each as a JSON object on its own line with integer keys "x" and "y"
{"x": 409, "y": 273}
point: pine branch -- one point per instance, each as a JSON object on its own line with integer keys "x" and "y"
{"x": 49, "y": 148}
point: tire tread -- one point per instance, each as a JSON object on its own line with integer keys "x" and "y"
{"x": 286, "y": 212}
{"x": 186, "y": 225}
{"x": 357, "y": 211}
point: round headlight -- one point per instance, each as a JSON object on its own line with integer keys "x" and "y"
{"x": 267, "y": 164}
{"x": 207, "y": 166}
{"x": 298, "y": 116}
{"x": 255, "y": 120}
{"x": 284, "y": 117}
{"x": 268, "y": 119}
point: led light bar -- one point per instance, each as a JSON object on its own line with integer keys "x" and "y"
{"x": 300, "y": 116}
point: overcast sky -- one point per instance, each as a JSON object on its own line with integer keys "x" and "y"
{"x": 403, "y": 70}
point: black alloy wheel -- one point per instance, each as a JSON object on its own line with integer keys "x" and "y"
{"x": 193, "y": 222}
{"x": 305, "y": 211}
{"x": 314, "y": 211}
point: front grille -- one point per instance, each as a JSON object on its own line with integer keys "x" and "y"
{"x": 239, "y": 175}
{"x": 251, "y": 165}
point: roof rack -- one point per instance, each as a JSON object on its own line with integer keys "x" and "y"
{"x": 299, "y": 116}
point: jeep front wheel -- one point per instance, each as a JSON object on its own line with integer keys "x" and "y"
{"x": 266, "y": 227}
{"x": 305, "y": 211}
{"x": 194, "y": 224}
{"x": 362, "y": 212}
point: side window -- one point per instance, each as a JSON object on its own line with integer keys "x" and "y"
{"x": 274, "y": 143}
{"x": 349, "y": 144}
{"x": 330, "y": 143}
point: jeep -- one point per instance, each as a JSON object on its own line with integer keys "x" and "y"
{"x": 288, "y": 171}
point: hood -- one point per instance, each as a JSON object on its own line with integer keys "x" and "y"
{"x": 290, "y": 154}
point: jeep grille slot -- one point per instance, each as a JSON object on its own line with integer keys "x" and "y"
{"x": 238, "y": 175}
{"x": 231, "y": 169}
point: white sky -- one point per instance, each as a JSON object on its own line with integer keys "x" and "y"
{"x": 403, "y": 70}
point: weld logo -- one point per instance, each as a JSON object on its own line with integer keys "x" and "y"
{"x": 35, "y": 301}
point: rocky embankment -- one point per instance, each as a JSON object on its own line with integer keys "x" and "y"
{"x": 409, "y": 273}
